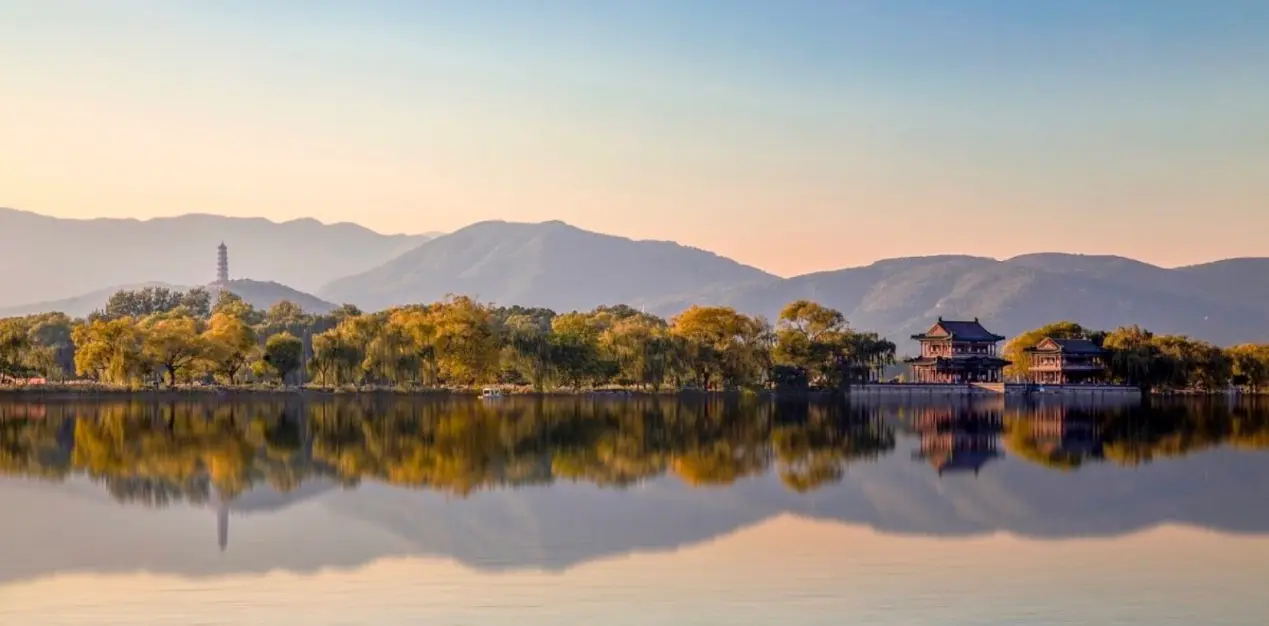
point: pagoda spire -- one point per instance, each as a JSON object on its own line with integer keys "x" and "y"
{"x": 222, "y": 263}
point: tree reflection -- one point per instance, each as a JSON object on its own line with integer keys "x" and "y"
{"x": 210, "y": 453}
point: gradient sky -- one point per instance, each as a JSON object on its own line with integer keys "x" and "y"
{"x": 794, "y": 136}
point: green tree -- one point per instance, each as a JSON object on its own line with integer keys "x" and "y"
{"x": 1134, "y": 359}
{"x": 529, "y": 343}
{"x": 282, "y": 354}
{"x": 337, "y": 357}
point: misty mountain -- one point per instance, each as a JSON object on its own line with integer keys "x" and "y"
{"x": 566, "y": 268}
{"x": 550, "y": 264}
{"x": 259, "y": 294}
{"x": 1224, "y": 302}
{"x": 45, "y": 258}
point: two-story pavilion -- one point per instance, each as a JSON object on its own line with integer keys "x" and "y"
{"x": 957, "y": 352}
{"x": 1066, "y": 362}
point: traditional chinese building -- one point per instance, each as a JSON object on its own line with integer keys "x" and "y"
{"x": 1066, "y": 362}
{"x": 957, "y": 352}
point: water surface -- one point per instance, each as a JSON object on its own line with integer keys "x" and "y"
{"x": 575, "y": 511}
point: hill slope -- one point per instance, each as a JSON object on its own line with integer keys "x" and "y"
{"x": 259, "y": 294}
{"x": 550, "y": 264}
{"x": 264, "y": 294}
{"x": 44, "y": 258}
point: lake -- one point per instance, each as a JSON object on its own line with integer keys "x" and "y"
{"x": 381, "y": 510}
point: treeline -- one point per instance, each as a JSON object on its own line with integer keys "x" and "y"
{"x": 1136, "y": 356}
{"x": 156, "y": 335}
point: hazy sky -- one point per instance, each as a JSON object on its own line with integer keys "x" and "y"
{"x": 791, "y": 135}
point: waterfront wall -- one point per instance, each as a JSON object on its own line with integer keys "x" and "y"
{"x": 928, "y": 390}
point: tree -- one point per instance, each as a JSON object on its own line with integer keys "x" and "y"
{"x": 1133, "y": 356}
{"x": 809, "y": 337}
{"x": 173, "y": 344}
{"x": 233, "y": 305}
{"x": 198, "y": 302}
{"x": 815, "y": 342}
{"x": 284, "y": 313}
{"x": 111, "y": 351}
{"x": 390, "y": 356}
{"x": 345, "y": 311}
{"x": 723, "y": 345}
{"x": 149, "y": 301}
{"x": 337, "y": 357}
{"x": 529, "y": 341}
{"x": 467, "y": 345}
{"x": 52, "y": 352}
{"x": 230, "y": 345}
{"x": 639, "y": 345}
{"x": 282, "y": 354}
{"x": 13, "y": 345}
{"x": 419, "y": 325}
{"x": 1250, "y": 365}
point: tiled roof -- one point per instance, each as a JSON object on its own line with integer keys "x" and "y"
{"x": 968, "y": 330}
{"x": 964, "y": 330}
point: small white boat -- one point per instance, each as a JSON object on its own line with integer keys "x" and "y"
{"x": 489, "y": 392}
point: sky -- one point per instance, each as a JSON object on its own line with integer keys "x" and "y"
{"x": 795, "y": 136}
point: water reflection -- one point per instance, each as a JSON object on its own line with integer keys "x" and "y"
{"x": 214, "y": 452}
{"x": 475, "y": 501}
{"x": 767, "y": 458}
{"x": 156, "y": 454}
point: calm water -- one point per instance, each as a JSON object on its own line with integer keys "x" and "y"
{"x": 623, "y": 512}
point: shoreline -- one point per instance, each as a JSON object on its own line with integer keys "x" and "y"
{"x": 888, "y": 392}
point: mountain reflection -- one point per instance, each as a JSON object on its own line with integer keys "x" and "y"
{"x": 214, "y": 452}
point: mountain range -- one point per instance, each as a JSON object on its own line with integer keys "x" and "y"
{"x": 555, "y": 265}
{"x": 561, "y": 267}
{"x": 47, "y": 259}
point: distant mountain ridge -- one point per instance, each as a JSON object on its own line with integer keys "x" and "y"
{"x": 46, "y": 258}
{"x": 555, "y": 265}
{"x": 551, "y": 264}
{"x": 566, "y": 268}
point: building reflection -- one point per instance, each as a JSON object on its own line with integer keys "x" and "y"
{"x": 957, "y": 438}
{"x": 1056, "y": 435}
